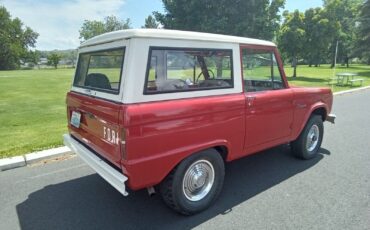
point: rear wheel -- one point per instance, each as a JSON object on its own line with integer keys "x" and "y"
{"x": 309, "y": 141}
{"x": 195, "y": 183}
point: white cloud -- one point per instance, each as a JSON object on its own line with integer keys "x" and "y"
{"x": 58, "y": 22}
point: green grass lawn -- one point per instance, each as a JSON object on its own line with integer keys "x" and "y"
{"x": 33, "y": 111}
{"x": 318, "y": 76}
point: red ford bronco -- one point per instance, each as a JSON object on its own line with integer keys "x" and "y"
{"x": 164, "y": 110}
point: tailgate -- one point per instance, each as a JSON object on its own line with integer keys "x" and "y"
{"x": 98, "y": 125}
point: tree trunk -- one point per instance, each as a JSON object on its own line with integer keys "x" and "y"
{"x": 332, "y": 62}
{"x": 347, "y": 61}
{"x": 294, "y": 64}
{"x": 317, "y": 61}
{"x": 333, "y": 58}
{"x": 219, "y": 67}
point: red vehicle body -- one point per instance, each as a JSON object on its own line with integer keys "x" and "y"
{"x": 145, "y": 141}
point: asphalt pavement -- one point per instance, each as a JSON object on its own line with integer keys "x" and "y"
{"x": 269, "y": 190}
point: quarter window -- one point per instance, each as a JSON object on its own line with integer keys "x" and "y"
{"x": 260, "y": 70}
{"x": 100, "y": 71}
{"x": 174, "y": 70}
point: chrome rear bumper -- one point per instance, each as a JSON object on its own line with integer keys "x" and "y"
{"x": 331, "y": 118}
{"x": 112, "y": 176}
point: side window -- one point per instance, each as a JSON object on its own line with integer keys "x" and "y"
{"x": 174, "y": 70}
{"x": 260, "y": 71}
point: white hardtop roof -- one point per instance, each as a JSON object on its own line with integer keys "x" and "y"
{"x": 171, "y": 34}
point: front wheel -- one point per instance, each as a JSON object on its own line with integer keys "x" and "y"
{"x": 195, "y": 183}
{"x": 309, "y": 141}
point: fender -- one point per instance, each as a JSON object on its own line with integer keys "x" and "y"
{"x": 313, "y": 107}
{"x": 149, "y": 171}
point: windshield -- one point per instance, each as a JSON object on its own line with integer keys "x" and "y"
{"x": 100, "y": 70}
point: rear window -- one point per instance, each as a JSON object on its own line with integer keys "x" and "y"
{"x": 100, "y": 70}
{"x": 186, "y": 69}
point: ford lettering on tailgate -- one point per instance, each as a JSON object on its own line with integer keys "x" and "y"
{"x": 110, "y": 135}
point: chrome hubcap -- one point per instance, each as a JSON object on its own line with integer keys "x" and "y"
{"x": 312, "y": 138}
{"x": 198, "y": 180}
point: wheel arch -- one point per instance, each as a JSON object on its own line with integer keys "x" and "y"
{"x": 320, "y": 111}
{"x": 141, "y": 172}
{"x": 221, "y": 148}
{"x": 317, "y": 109}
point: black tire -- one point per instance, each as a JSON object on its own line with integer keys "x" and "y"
{"x": 173, "y": 193}
{"x": 299, "y": 146}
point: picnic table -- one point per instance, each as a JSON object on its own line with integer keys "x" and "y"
{"x": 347, "y": 79}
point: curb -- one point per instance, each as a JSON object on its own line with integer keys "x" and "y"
{"x": 351, "y": 90}
{"x": 32, "y": 158}
{"x": 36, "y": 157}
{"x": 12, "y": 162}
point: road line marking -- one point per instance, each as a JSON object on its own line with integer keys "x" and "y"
{"x": 57, "y": 171}
{"x": 51, "y": 173}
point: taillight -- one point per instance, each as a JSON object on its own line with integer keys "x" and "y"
{"x": 123, "y": 143}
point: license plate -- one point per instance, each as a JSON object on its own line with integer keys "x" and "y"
{"x": 75, "y": 119}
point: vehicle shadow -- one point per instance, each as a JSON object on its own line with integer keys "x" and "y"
{"x": 90, "y": 203}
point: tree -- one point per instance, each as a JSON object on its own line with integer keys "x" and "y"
{"x": 363, "y": 32}
{"x": 319, "y": 33}
{"x": 343, "y": 13}
{"x": 150, "y": 22}
{"x": 291, "y": 37}
{"x": 71, "y": 56}
{"x": 34, "y": 57}
{"x": 15, "y": 40}
{"x": 53, "y": 59}
{"x": 93, "y": 28}
{"x": 248, "y": 18}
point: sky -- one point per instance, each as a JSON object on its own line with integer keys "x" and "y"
{"x": 58, "y": 21}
